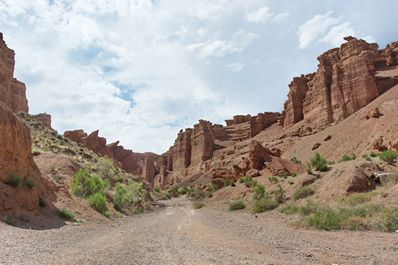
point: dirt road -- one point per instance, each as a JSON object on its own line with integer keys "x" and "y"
{"x": 178, "y": 234}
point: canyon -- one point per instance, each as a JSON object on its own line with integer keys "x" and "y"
{"x": 348, "y": 78}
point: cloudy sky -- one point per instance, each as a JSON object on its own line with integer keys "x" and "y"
{"x": 140, "y": 70}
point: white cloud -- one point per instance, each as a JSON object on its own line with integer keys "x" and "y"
{"x": 235, "y": 67}
{"x": 219, "y": 48}
{"x": 326, "y": 29}
{"x": 264, "y": 14}
{"x": 314, "y": 28}
{"x": 260, "y": 15}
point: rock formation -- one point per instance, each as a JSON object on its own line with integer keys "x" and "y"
{"x": 344, "y": 82}
{"x": 44, "y": 119}
{"x": 12, "y": 91}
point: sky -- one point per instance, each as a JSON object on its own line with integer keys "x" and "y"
{"x": 141, "y": 70}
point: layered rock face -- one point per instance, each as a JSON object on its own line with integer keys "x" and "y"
{"x": 16, "y": 144}
{"x": 44, "y": 119}
{"x": 12, "y": 91}
{"x": 143, "y": 165}
{"x": 344, "y": 82}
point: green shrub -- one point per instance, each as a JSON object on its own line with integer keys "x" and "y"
{"x": 325, "y": 219}
{"x": 161, "y": 195}
{"x": 388, "y": 220}
{"x": 236, "y": 205}
{"x": 319, "y": 163}
{"x": 106, "y": 167}
{"x": 290, "y": 209}
{"x": 295, "y": 160}
{"x": 373, "y": 154}
{"x": 182, "y": 190}
{"x": 259, "y": 192}
{"x": 97, "y": 201}
{"x": 389, "y": 156}
{"x": 66, "y": 214}
{"x": 128, "y": 196}
{"x": 273, "y": 179}
{"x": 308, "y": 168}
{"x": 263, "y": 205}
{"x": 14, "y": 181}
{"x": 357, "y": 198}
{"x": 303, "y": 193}
{"x": 228, "y": 182}
{"x": 348, "y": 157}
{"x": 279, "y": 194}
{"x": 29, "y": 183}
{"x": 198, "y": 205}
{"x": 196, "y": 194}
{"x": 248, "y": 181}
{"x": 84, "y": 185}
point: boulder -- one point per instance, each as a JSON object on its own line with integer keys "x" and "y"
{"x": 373, "y": 113}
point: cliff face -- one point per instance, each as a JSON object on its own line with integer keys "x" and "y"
{"x": 345, "y": 82}
{"x": 16, "y": 160}
{"x": 12, "y": 91}
{"x": 143, "y": 165}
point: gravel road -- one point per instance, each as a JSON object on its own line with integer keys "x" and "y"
{"x": 178, "y": 234}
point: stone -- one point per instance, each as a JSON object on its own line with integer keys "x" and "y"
{"x": 378, "y": 145}
{"x": 373, "y": 113}
{"x": 307, "y": 180}
{"x": 316, "y": 146}
{"x": 327, "y": 138}
{"x": 394, "y": 145}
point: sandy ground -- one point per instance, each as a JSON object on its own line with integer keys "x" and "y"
{"x": 178, "y": 234}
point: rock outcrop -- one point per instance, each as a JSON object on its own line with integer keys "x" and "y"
{"x": 12, "y": 91}
{"x": 143, "y": 165}
{"x": 44, "y": 119}
{"x": 344, "y": 82}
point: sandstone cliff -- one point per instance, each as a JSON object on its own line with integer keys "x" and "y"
{"x": 345, "y": 82}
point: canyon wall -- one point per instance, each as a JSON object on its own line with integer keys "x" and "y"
{"x": 345, "y": 82}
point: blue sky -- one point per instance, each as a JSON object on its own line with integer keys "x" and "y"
{"x": 141, "y": 70}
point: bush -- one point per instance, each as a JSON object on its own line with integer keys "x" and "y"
{"x": 357, "y": 198}
{"x": 84, "y": 185}
{"x": 273, "y": 179}
{"x": 264, "y": 204}
{"x": 106, "y": 168}
{"x": 161, "y": 194}
{"x": 389, "y": 156}
{"x": 228, "y": 182}
{"x": 66, "y": 214}
{"x": 259, "y": 192}
{"x": 29, "y": 183}
{"x": 348, "y": 157}
{"x": 14, "y": 181}
{"x": 373, "y": 154}
{"x": 303, "y": 193}
{"x": 388, "y": 221}
{"x": 319, "y": 163}
{"x": 98, "y": 202}
{"x": 279, "y": 194}
{"x": 236, "y": 205}
{"x": 196, "y": 194}
{"x": 290, "y": 209}
{"x": 128, "y": 196}
{"x": 248, "y": 181}
{"x": 325, "y": 219}
{"x": 198, "y": 205}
